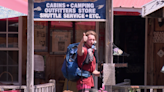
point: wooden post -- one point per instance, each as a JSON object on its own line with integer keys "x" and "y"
{"x": 109, "y": 32}
{"x": 30, "y": 48}
{"x": 109, "y": 67}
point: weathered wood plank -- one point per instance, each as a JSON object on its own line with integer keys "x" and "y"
{"x": 44, "y": 85}
{"x": 155, "y": 90}
{"x": 109, "y": 42}
{"x": 151, "y": 90}
{"x": 30, "y": 48}
{"x": 139, "y": 87}
{"x": 24, "y": 50}
{"x": 150, "y": 51}
{"x": 157, "y": 27}
{"x": 109, "y": 32}
{"x": 138, "y": 90}
{"x": 47, "y": 87}
{"x": 126, "y": 90}
{"x": 158, "y": 60}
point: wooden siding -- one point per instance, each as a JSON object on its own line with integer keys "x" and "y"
{"x": 150, "y": 52}
{"x": 24, "y": 49}
{"x": 154, "y": 45}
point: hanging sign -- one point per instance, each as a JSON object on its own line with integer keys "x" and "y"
{"x": 88, "y": 10}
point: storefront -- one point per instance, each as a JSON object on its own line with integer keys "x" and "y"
{"x": 60, "y": 23}
{"x": 56, "y": 24}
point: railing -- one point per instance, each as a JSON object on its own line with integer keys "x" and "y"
{"x": 130, "y": 88}
{"x": 47, "y": 87}
{"x": 11, "y": 87}
{"x": 126, "y": 87}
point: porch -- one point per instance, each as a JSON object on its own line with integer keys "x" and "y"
{"x": 120, "y": 87}
{"x": 47, "y": 87}
{"x": 126, "y": 87}
{"x": 137, "y": 88}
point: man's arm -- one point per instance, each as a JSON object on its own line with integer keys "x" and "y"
{"x": 80, "y": 50}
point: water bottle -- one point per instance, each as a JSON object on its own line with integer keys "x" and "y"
{"x": 94, "y": 45}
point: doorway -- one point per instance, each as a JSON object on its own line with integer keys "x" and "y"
{"x": 129, "y": 36}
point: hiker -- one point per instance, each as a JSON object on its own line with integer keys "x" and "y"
{"x": 84, "y": 47}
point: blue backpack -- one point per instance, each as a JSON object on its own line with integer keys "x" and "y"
{"x": 70, "y": 68}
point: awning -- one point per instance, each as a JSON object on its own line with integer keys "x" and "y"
{"x": 17, "y": 5}
{"x": 152, "y": 7}
{"x": 128, "y": 7}
{"x": 13, "y": 8}
{"x": 8, "y": 13}
{"x": 129, "y": 3}
{"x": 121, "y": 7}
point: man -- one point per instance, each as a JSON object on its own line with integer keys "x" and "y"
{"x": 84, "y": 47}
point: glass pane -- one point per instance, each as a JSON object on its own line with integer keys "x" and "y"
{"x": 2, "y": 40}
{"x": 14, "y": 72}
{"x": 13, "y": 57}
{"x": 3, "y": 57}
{"x": 61, "y": 33}
{"x": 3, "y": 76}
{"x": 40, "y": 35}
{"x": 82, "y": 27}
{"x": 13, "y": 40}
{"x": 13, "y": 24}
{"x": 3, "y": 25}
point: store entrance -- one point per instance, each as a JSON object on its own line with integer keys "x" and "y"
{"x": 129, "y": 35}
{"x": 59, "y": 35}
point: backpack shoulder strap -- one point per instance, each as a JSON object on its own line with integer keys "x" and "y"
{"x": 96, "y": 56}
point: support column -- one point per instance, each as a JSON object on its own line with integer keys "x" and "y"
{"x": 30, "y": 48}
{"x": 109, "y": 67}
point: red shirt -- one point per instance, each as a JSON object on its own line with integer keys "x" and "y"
{"x": 88, "y": 67}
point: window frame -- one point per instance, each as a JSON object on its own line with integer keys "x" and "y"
{"x": 19, "y": 48}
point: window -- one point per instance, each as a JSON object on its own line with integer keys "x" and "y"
{"x": 82, "y": 27}
{"x": 63, "y": 33}
{"x": 10, "y": 50}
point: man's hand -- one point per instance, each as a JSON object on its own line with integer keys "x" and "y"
{"x": 85, "y": 38}
{"x": 80, "y": 51}
{"x": 96, "y": 73}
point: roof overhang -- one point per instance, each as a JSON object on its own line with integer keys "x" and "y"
{"x": 151, "y": 7}
{"x": 127, "y": 11}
